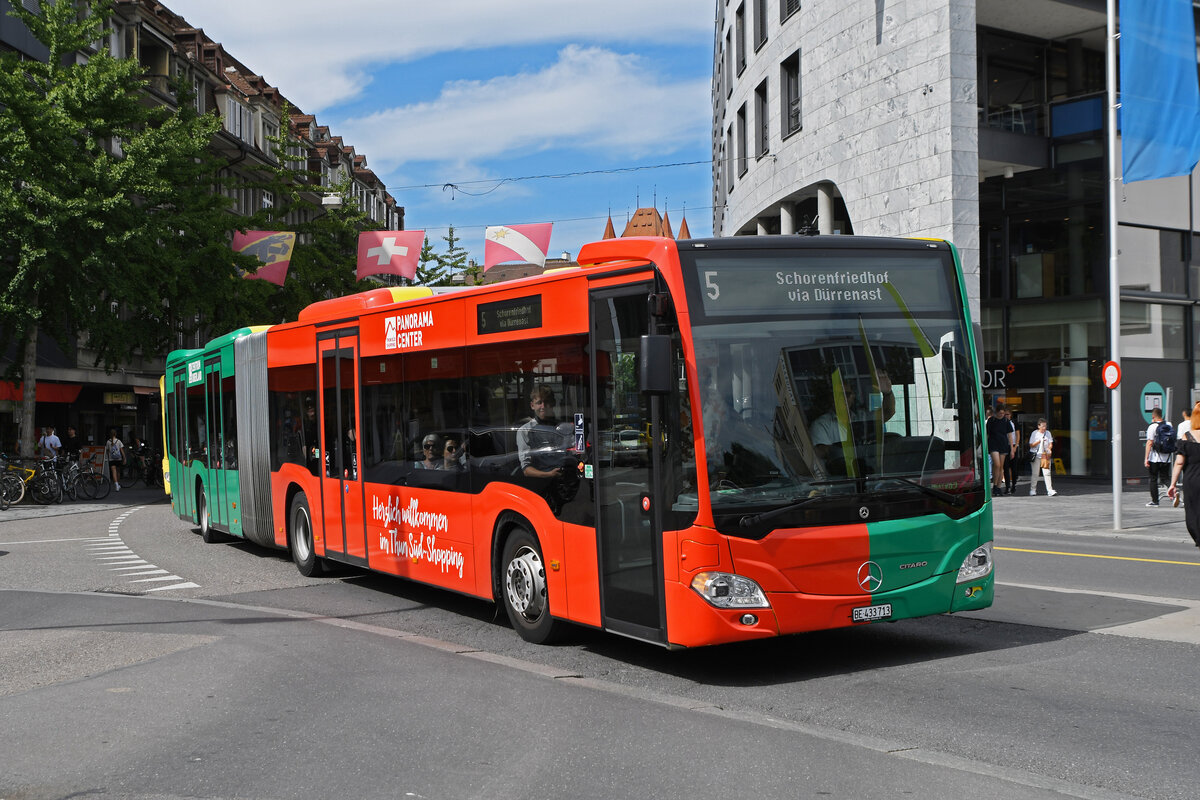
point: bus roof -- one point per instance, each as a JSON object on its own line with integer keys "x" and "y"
{"x": 177, "y": 356}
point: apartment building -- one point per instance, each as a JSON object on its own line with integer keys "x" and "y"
{"x": 252, "y": 113}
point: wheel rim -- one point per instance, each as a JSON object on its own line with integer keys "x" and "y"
{"x": 203, "y": 513}
{"x": 525, "y": 583}
{"x": 302, "y": 536}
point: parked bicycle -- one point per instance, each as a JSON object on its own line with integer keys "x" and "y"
{"x": 92, "y": 483}
{"x": 145, "y": 466}
{"x": 45, "y": 487}
{"x": 12, "y": 478}
{"x": 39, "y": 481}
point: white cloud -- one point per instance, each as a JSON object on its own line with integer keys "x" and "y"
{"x": 319, "y": 53}
{"x": 589, "y": 99}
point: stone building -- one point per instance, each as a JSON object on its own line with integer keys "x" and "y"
{"x": 981, "y": 122}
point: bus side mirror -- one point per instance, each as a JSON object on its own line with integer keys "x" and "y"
{"x": 655, "y": 364}
{"x": 949, "y": 377}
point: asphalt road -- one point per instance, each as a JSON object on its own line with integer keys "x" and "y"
{"x": 230, "y": 675}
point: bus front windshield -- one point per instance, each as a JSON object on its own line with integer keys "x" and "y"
{"x": 829, "y": 377}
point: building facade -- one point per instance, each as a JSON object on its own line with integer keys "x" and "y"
{"x": 982, "y": 122}
{"x": 70, "y": 391}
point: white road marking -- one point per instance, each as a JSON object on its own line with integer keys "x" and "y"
{"x": 118, "y": 557}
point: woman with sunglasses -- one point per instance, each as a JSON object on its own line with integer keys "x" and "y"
{"x": 451, "y": 455}
{"x": 431, "y": 448}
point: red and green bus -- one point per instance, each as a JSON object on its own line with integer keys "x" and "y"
{"x": 687, "y": 442}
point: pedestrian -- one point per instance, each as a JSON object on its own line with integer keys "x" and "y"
{"x": 1041, "y": 445}
{"x": 997, "y": 431}
{"x": 1185, "y": 425}
{"x": 115, "y": 449}
{"x": 1158, "y": 456}
{"x": 71, "y": 445}
{"x": 1187, "y": 466}
{"x": 49, "y": 444}
{"x": 1010, "y": 460}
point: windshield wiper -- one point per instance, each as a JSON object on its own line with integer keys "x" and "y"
{"x": 952, "y": 499}
{"x": 750, "y": 520}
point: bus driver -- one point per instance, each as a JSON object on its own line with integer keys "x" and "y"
{"x": 539, "y": 444}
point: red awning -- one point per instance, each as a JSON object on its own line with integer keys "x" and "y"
{"x": 46, "y": 392}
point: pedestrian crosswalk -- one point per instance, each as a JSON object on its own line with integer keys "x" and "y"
{"x": 143, "y": 577}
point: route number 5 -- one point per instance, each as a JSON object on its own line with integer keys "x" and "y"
{"x": 710, "y": 283}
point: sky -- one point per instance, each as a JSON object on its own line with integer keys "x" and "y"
{"x": 459, "y": 105}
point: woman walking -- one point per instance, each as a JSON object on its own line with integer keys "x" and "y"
{"x": 1041, "y": 443}
{"x": 115, "y": 449}
{"x": 1187, "y": 462}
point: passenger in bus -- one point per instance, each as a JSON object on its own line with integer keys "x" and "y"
{"x": 452, "y": 455}
{"x": 350, "y": 456}
{"x": 432, "y": 449}
{"x": 311, "y": 448}
{"x": 827, "y": 430}
{"x": 540, "y": 446}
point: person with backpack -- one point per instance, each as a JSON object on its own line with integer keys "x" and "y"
{"x": 115, "y": 451}
{"x": 1160, "y": 450}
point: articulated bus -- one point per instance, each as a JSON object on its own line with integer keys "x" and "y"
{"x": 688, "y": 443}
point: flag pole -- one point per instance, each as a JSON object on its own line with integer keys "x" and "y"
{"x": 1114, "y": 287}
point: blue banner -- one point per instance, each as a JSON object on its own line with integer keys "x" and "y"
{"x": 1160, "y": 93}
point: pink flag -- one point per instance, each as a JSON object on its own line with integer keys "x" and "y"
{"x": 528, "y": 243}
{"x": 272, "y": 248}
{"x": 389, "y": 253}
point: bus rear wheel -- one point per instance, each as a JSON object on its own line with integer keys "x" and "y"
{"x": 524, "y": 589}
{"x": 300, "y": 535}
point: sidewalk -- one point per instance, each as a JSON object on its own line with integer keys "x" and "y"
{"x": 1085, "y": 506}
{"x": 127, "y": 497}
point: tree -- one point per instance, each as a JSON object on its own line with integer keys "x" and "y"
{"x": 454, "y": 260}
{"x": 429, "y": 267}
{"x": 101, "y": 201}
{"x": 324, "y": 260}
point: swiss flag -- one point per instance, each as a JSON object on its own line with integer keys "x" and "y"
{"x": 272, "y": 248}
{"x": 389, "y": 253}
{"x": 528, "y": 243}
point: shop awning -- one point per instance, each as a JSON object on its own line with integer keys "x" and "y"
{"x": 46, "y": 392}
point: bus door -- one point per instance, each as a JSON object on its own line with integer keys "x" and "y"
{"x": 341, "y": 484}
{"x": 628, "y": 530}
{"x": 213, "y": 438}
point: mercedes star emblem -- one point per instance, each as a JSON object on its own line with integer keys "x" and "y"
{"x": 870, "y": 576}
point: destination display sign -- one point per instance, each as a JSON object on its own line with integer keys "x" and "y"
{"x": 519, "y": 313}
{"x": 805, "y": 283}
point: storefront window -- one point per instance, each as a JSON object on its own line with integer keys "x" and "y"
{"x": 1151, "y": 330}
{"x": 1055, "y": 331}
{"x": 992, "y": 323}
{"x": 1057, "y": 254}
{"x": 1152, "y": 260}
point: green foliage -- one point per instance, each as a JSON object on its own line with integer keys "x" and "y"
{"x": 104, "y": 196}
{"x": 324, "y": 260}
{"x": 454, "y": 260}
{"x": 429, "y": 267}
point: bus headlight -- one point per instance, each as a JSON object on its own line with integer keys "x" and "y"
{"x": 725, "y": 590}
{"x": 977, "y": 565}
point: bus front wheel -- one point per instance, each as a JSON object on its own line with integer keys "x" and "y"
{"x": 300, "y": 531}
{"x": 206, "y": 531}
{"x": 525, "y": 596}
